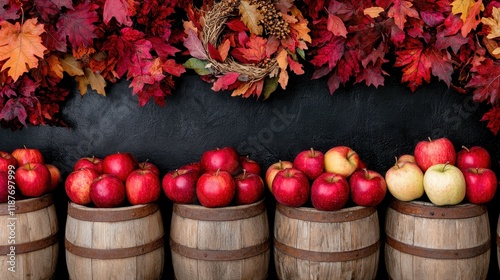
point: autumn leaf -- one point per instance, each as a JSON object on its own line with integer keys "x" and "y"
{"x": 194, "y": 46}
{"x": 295, "y": 66}
{"x": 14, "y": 108}
{"x": 400, "y": 11}
{"x": 330, "y": 53}
{"x": 473, "y": 18}
{"x": 20, "y": 46}
{"x": 55, "y": 66}
{"x": 462, "y": 7}
{"x": 121, "y": 10}
{"x": 95, "y": 80}
{"x": 373, "y": 12}
{"x": 492, "y": 46}
{"x": 9, "y": 9}
{"x": 442, "y": 66}
{"x": 214, "y": 53}
{"x": 282, "y": 60}
{"x": 225, "y": 81}
{"x": 71, "y": 66}
{"x": 78, "y": 24}
{"x": 198, "y": 66}
{"x": 417, "y": 66}
{"x": 223, "y": 49}
{"x": 301, "y": 27}
{"x": 493, "y": 119}
{"x": 486, "y": 81}
{"x": 336, "y": 26}
{"x": 251, "y": 16}
{"x": 493, "y": 23}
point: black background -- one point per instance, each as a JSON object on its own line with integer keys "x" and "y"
{"x": 378, "y": 124}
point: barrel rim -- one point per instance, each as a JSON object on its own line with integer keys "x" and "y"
{"x": 29, "y": 205}
{"x": 117, "y": 214}
{"x": 322, "y": 256}
{"x": 313, "y": 215}
{"x": 431, "y": 211}
{"x": 440, "y": 254}
{"x": 230, "y": 213}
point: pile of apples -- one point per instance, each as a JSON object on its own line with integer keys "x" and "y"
{"x": 112, "y": 181}
{"x": 33, "y": 177}
{"x": 221, "y": 178}
{"x": 445, "y": 176}
{"x": 328, "y": 180}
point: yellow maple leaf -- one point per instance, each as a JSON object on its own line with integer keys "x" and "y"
{"x": 251, "y": 17}
{"x": 95, "y": 80}
{"x": 281, "y": 58}
{"x": 301, "y": 25}
{"x": 462, "y": 7}
{"x": 20, "y": 46}
{"x": 71, "y": 66}
{"x": 241, "y": 89}
{"x": 493, "y": 23}
{"x": 373, "y": 12}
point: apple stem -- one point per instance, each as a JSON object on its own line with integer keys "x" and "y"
{"x": 25, "y": 146}
{"x": 465, "y": 148}
{"x": 430, "y": 140}
{"x": 244, "y": 173}
{"x": 313, "y": 153}
{"x": 396, "y": 164}
{"x": 288, "y": 173}
{"x": 444, "y": 166}
{"x": 217, "y": 172}
{"x": 477, "y": 170}
{"x": 281, "y": 164}
{"x": 367, "y": 175}
{"x": 177, "y": 172}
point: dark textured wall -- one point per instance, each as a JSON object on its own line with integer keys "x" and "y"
{"x": 378, "y": 123}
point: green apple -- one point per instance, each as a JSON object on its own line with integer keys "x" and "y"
{"x": 444, "y": 184}
{"x": 405, "y": 181}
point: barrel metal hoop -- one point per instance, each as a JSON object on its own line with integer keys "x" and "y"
{"x": 326, "y": 216}
{"x": 219, "y": 255}
{"x": 327, "y": 256}
{"x": 219, "y": 214}
{"x": 438, "y": 253}
{"x": 111, "y": 215}
{"x": 113, "y": 253}
{"x": 28, "y": 205}
{"x": 463, "y": 211}
{"x": 35, "y": 245}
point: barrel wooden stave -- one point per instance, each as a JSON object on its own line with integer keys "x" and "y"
{"x": 220, "y": 236}
{"x": 326, "y": 237}
{"x": 115, "y": 235}
{"x": 32, "y": 226}
{"x": 437, "y": 233}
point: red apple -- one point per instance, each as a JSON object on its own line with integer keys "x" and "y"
{"x": 195, "y": 166}
{"x": 368, "y": 187}
{"x": 291, "y": 187}
{"x": 77, "y": 185}
{"x": 341, "y": 160}
{"x": 55, "y": 177}
{"x": 25, "y": 155}
{"x": 32, "y": 179}
{"x": 273, "y": 169}
{"x": 481, "y": 185}
{"x": 107, "y": 191}
{"x": 473, "y": 157}
{"x": 224, "y": 159}
{"x": 310, "y": 162}
{"x": 4, "y": 186}
{"x": 249, "y": 188}
{"x": 6, "y": 160}
{"x": 215, "y": 189}
{"x": 429, "y": 153}
{"x": 250, "y": 165}
{"x": 119, "y": 164}
{"x": 149, "y": 166}
{"x": 329, "y": 192}
{"x": 142, "y": 186}
{"x": 89, "y": 162}
{"x": 180, "y": 185}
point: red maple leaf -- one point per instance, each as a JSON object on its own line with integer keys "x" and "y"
{"x": 417, "y": 66}
{"x": 13, "y": 7}
{"x": 486, "y": 82}
{"x": 442, "y": 66}
{"x": 225, "y": 81}
{"x": 52, "y": 39}
{"x": 400, "y": 11}
{"x": 121, "y": 10}
{"x": 330, "y": 53}
{"x": 493, "y": 119}
{"x": 173, "y": 68}
{"x": 254, "y": 50}
{"x": 78, "y": 24}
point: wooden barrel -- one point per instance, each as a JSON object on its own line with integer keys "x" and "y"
{"x": 220, "y": 243}
{"x": 312, "y": 244}
{"x": 28, "y": 239}
{"x": 114, "y": 243}
{"x": 424, "y": 241}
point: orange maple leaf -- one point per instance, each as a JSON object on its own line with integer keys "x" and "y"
{"x": 20, "y": 46}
